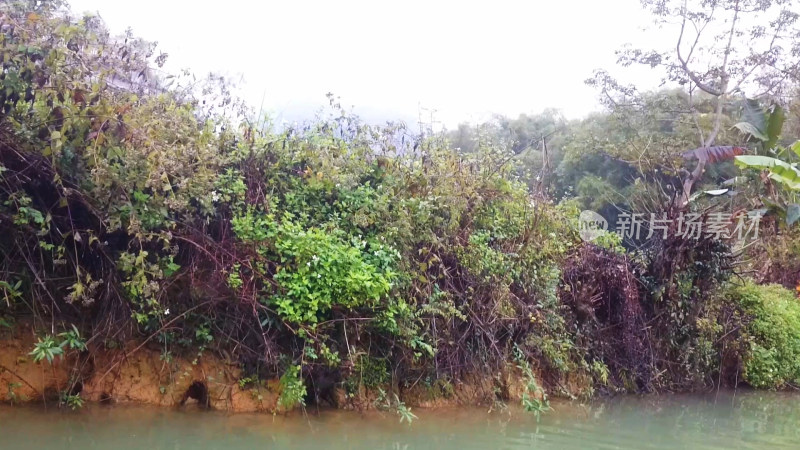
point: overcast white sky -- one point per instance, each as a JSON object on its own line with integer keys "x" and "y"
{"x": 465, "y": 59}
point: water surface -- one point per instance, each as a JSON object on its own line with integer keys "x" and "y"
{"x": 754, "y": 420}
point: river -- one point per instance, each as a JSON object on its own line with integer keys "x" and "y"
{"x": 726, "y": 420}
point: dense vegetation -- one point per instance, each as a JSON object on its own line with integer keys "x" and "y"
{"x": 141, "y": 206}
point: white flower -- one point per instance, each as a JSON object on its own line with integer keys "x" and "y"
{"x": 308, "y": 264}
{"x": 214, "y": 196}
{"x": 166, "y": 312}
{"x": 319, "y": 275}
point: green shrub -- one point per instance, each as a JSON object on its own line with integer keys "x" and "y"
{"x": 772, "y": 336}
{"x": 316, "y": 270}
{"x": 293, "y": 390}
{"x": 46, "y": 348}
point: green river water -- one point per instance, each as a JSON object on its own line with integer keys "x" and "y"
{"x": 754, "y": 420}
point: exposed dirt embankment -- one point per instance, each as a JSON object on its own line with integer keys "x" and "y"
{"x": 125, "y": 375}
{"x": 22, "y": 380}
{"x": 134, "y": 373}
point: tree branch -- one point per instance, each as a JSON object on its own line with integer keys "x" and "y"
{"x": 685, "y": 62}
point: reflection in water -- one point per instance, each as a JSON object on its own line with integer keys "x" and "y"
{"x": 746, "y": 420}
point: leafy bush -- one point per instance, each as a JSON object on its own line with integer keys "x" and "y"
{"x": 316, "y": 270}
{"x": 72, "y": 401}
{"x": 534, "y": 398}
{"x": 293, "y": 390}
{"x": 772, "y": 337}
{"x": 49, "y": 348}
{"x": 385, "y": 402}
{"x": 46, "y": 348}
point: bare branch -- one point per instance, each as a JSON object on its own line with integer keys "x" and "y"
{"x": 724, "y": 79}
{"x": 685, "y": 62}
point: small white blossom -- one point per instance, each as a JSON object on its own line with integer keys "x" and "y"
{"x": 166, "y": 312}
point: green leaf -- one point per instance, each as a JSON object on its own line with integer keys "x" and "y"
{"x": 755, "y": 115}
{"x": 758, "y": 162}
{"x": 171, "y": 269}
{"x": 796, "y": 148}
{"x": 792, "y": 214}
{"x": 789, "y": 176}
{"x": 780, "y": 171}
{"x": 774, "y": 126}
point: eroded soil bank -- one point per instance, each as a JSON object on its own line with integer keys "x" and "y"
{"x": 132, "y": 373}
{"x": 136, "y": 374}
